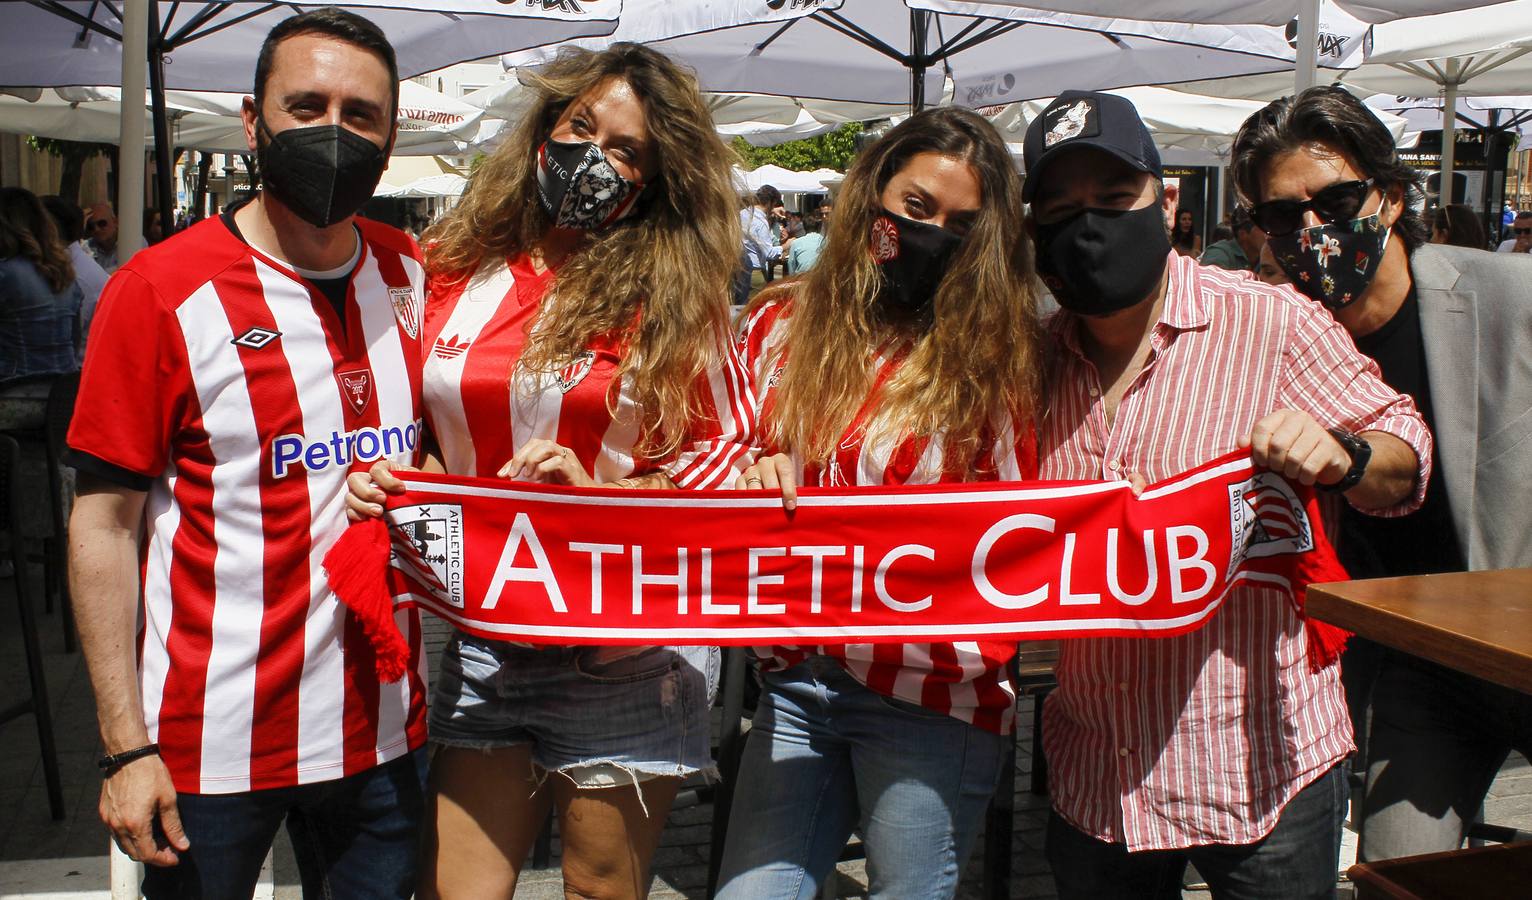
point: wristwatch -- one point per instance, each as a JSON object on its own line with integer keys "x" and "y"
{"x": 1360, "y": 451}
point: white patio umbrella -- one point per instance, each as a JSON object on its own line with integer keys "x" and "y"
{"x": 430, "y": 122}
{"x": 787, "y": 181}
{"x": 858, "y": 49}
{"x": 1246, "y": 12}
{"x": 447, "y": 184}
{"x": 208, "y": 45}
{"x": 1474, "y": 52}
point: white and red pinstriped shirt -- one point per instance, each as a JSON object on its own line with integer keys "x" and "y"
{"x": 475, "y": 331}
{"x": 229, "y": 385}
{"x": 967, "y": 679}
{"x": 1203, "y": 738}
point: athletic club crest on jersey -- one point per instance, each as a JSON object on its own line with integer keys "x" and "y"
{"x": 1267, "y": 518}
{"x": 885, "y": 240}
{"x": 406, "y": 310}
{"x": 427, "y": 544}
{"x": 356, "y": 387}
{"x": 575, "y": 372}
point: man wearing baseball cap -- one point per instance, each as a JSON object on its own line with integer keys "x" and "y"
{"x": 1219, "y": 747}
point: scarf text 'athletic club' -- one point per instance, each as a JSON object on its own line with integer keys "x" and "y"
{"x": 555, "y": 565}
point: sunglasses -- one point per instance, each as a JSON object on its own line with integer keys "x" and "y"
{"x": 1340, "y": 202}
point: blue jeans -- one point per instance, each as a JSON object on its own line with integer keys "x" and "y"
{"x": 827, "y": 755}
{"x": 1298, "y": 860}
{"x": 354, "y": 837}
{"x": 1438, "y": 739}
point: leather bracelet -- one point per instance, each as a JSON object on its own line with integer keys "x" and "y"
{"x": 111, "y": 763}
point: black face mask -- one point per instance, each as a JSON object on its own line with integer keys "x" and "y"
{"x": 1099, "y": 261}
{"x": 913, "y": 257}
{"x": 323, "y": 173}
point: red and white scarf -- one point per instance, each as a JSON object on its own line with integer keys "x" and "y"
{"x": 556, "y": 565}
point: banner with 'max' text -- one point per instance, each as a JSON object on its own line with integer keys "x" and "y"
{"x": 1030, "y": 560}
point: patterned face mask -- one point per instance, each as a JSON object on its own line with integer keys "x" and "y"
{"x": 1333, "y": 263}
{"x": 579, "y": 188}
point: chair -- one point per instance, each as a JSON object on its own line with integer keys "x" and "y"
{"x": 61, "y": 397}
{"x": 37, "y": 703}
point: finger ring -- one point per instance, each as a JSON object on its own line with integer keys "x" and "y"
{"x": 754, "y": 481}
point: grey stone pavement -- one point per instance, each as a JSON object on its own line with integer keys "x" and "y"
{"x": 70, "y": 856}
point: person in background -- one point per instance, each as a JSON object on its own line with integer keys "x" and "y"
{"x": 39, "y": 309}
{"x": 1240, "y": 252}
{"x": 1267, "y": 269}
{"x": 101, "y": 235}
{"x": 1223, "y": 747}
{"x": 759, "y": 246}
{"x": 804, "y": 250}
{"x": 88, "y": 273}
{"x": 1223, "y": 231}
{"x": 1507, "y": 216}
{"x": 908, "y": 355}
{"x": 1446, "y": 326}
{"x": 1184, "y": 238}
{"x": 1458, "y": 225}
{"x": 1520, "y": 238}
{"x": 154, "y": 227}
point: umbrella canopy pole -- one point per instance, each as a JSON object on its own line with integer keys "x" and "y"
{"x": 164, "y": 193}
{"x": 1304, "y": 74}
{"x": 918, "y": 19}
{"x": 1449, "y": 133}
{"x": 130, "y": 135}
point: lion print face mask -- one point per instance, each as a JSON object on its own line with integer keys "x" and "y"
{"x": 580, "y": 189}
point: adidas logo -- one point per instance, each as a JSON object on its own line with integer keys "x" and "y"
{"x": 451, "y": 348}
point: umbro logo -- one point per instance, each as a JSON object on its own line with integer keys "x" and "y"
{"x": 450, "y": 348}
{"x": 256, "y": 338}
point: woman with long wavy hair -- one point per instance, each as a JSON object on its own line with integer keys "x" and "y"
{"x": 907, "y": 355}
{"x": 577, "y": 320}
{"x": 39, "y": 308}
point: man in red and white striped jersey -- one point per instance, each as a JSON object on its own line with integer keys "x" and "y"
{"x": 1219, "y": 746}
{"x": 237, "y": 372}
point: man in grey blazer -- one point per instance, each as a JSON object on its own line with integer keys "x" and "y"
{"x": 1446, "y": 326}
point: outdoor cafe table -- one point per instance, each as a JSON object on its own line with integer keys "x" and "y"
{"x": 1475, "y": 622}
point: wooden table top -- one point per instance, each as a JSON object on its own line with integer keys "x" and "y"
{"x": 1475, "y": 622}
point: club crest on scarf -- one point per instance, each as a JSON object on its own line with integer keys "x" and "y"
{"x": 406, "y": 310}
{"x": 1267, "y": 518}
{"x": 427, "y": 546}
{"x": 356, "y": 387}
{"x": 575, "y": 372}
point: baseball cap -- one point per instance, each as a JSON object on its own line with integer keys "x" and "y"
{"x": 1087, "y": 119}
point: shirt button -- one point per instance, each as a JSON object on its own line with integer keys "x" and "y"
{"x": 1122, "y": 686}
{"x": 1114, "y": 465}
{"x": 1122, "y": 751}
{"x": 1093, "y": 391}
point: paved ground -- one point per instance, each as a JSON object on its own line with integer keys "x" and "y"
{"x": 41, "y": 857}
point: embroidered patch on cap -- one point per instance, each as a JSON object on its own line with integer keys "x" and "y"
{"x": 1067, "y": 122}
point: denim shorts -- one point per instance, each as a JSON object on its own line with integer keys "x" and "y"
{"x": 598, "y": 720}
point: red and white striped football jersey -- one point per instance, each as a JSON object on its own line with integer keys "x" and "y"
{"x": 482, "y": 409}
{"x": 218, "y": 374}
{"x": 967, "y": 679}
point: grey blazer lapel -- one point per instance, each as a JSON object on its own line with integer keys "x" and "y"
{"x": 1449, "y": 323}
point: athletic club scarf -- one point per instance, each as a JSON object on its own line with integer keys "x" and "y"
{"x": 558, "y": 565}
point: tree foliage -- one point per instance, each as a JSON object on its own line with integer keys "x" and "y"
{"x": 826, "y": 151}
